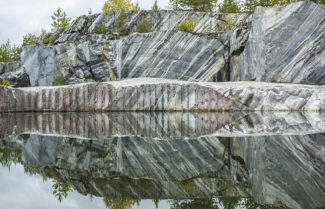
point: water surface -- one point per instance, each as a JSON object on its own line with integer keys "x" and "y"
{"x": 162, "y": 160}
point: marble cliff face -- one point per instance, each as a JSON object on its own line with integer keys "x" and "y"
{"x": 280, "y": 44}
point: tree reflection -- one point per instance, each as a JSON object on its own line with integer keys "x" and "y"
{"x": 9, "y": 157}
{"x": 119, "y": 203}
{"x": 220, "y": 203}
{"x": 60, "y": 190}
{"x": 194, "y": 204}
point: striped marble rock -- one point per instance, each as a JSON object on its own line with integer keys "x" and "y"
{"x": 285, "y": 44}
{"x": 150, "y": 95}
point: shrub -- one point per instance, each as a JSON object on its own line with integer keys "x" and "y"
{"x": 228, "y": 24}
{"x": 50, "y": 39}
{"x": 188, "y": 25}
{"x": 59, "y": 81}
{"x": 101, "y": 29}
{"x": 145, "y": 26}
{"x": 43, "y": 32}
{"x": 5, "y": 83}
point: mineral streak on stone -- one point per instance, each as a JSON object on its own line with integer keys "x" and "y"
{"x": 285, "y": 44}
{"x": 278, "y": 44}
{"x": 40, "y": 64}
{"x": 152, "y": 95}
{"x": 80, "y": 54}
{"x": 161, "y": 54}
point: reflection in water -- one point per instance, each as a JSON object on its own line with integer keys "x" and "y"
{"x": 247, "y": 161}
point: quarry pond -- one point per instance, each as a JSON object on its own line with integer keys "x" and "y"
{"x": 162, "y": 160}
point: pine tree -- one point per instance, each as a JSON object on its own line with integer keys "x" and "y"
{"x": 250, "y": 5}
{"x": 29, "y": 40}
{"x": 203, "y": 5}
{"x": 137, "y": 6}
{"x": 195, "y": 5}
{"x": 176, "y": 4}
{"x": 155, "y": 6}
{"x": 60, "y": 20}
{"x": 9, "y": 53}
{"x": 230, "y": 6}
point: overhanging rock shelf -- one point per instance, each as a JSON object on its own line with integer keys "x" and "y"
{"x": 154, "y": 94}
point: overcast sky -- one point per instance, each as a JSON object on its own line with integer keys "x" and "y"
{"x": 20, "y": 191}
{"x": 19, "y": 17}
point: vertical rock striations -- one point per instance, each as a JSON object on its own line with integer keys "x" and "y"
{"x": 152, "y": 95}
{"x": 285, "y": 44}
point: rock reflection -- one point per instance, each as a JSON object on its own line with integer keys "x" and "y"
{"x": 106, "y": 125}
{"x": 126, "y": 165}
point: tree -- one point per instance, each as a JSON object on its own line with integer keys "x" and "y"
{"x": 9, "y": 157}
{"x": 155, "y": 6}
{"x": 60, "y": 20}
{"x": 250, "y": 5}
{"x": 122, "y": 25}
{"x": 195, "y": 5}
{"x": 137, "y": 6}
{"x": 116, "y": 5}
{"x": 90, "y": 12}
{"x": 119, "y": 203}
{"x": 60, "y": 190}
{"x": 9, "y": 53}
{"x": 230, "y": 6}
{"x": 202, "y": 5}
{"x": 29, "y": 40}
{"x": 176, "y": 4}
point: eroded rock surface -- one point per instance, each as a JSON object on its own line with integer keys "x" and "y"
{"x": 152, "y": 95}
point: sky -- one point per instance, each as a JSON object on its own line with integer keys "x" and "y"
{"x": 21, "y": 191}
{"x": 19, "y": 17}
